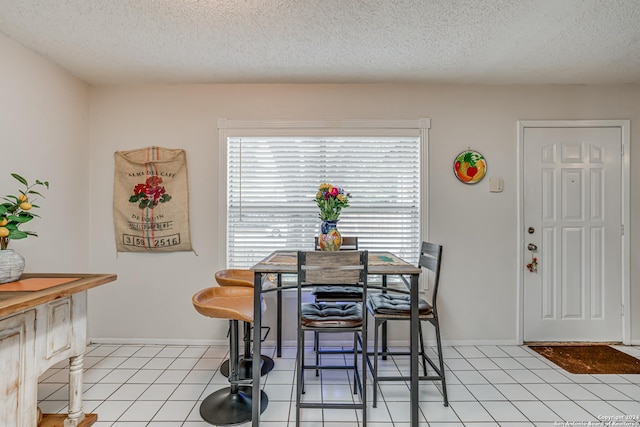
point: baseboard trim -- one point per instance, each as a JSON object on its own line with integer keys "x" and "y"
{"x": 157, "y": 341}
{"x": 287, "y": 343}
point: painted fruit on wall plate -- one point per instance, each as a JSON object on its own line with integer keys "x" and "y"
{"x": 470, "y": 167}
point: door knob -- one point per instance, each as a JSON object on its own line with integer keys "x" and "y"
{"x": 532, "y": 247}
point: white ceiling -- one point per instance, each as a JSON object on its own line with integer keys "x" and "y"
{"x": 313, "y": 41}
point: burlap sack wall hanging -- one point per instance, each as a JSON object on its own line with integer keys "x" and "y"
{"x": 151, "y": 200}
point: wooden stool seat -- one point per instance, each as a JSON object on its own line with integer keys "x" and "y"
{"x": 235, "y": 277}
{"x": 225, "y": 302}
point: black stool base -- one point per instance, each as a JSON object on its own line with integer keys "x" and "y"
{"x": 223, "y": 408}
{"x": 245, "y": 367}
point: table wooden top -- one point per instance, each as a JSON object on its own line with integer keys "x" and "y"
{"x": 16, "y": 301}
{"x": 380, "y": 262}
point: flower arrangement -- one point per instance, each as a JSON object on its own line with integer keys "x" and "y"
{"x": 331, "y": 200}
{"x": 17, "y": 211}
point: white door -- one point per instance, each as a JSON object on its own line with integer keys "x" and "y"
{"x": 573, "y": 215}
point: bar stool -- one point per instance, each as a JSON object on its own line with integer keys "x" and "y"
{"x": 243, "y": 278}
{"x": 230, "y": 405}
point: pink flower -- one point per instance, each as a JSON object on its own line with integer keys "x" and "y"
{"x": 154, "y": 181}
{"x": 156, "y": 192}
{"x": 334, "y": 192}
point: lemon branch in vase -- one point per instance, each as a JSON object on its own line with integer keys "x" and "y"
{"x": 17, "y": 210}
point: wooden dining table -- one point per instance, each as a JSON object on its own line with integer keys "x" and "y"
{"x": 381, "y": 263}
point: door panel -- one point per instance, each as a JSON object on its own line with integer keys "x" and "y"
{"x": 573, "y": 201}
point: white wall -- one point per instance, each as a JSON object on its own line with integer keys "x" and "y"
{"x": 44, "y": 132}
{"x": 152, "y": 297}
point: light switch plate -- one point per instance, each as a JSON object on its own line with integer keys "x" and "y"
{"x": 495, "y": 185}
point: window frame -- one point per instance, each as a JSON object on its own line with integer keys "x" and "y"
{"x": 246, "y": 128}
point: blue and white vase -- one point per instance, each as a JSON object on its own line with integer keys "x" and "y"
{"x": 330, "y": 238}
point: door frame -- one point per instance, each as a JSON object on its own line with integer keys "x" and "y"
{"x": 624, "y": 126}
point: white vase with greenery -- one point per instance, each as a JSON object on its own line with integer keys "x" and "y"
{"x": 16, "y": 210}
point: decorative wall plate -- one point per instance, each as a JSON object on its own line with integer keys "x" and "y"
{"x": 470, "y": 167}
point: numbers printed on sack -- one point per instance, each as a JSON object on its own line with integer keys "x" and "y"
{"x": 151, "y": 242}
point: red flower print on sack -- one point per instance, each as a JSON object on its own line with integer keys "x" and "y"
{"x": 149, "y": 194}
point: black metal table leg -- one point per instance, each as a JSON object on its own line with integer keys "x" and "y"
{"x": 385, "y": 347}
{"x": 414, "y": 330}
{"x": 257, "y": 347}
{"x": 279, "y": 318}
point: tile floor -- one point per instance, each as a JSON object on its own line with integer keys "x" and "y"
{"x": 162, "y": 386}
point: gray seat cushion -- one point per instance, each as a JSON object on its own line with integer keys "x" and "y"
{"x": 394, "y": 304}
{"x": 332, "y": 315}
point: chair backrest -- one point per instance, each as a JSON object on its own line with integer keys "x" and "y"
{"x": 431, "y": 258}
{"x": 332, "y": 268}
{"x": 349, "y": 243}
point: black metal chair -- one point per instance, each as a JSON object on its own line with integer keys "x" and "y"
{"x": 335, "y": 293}
{"x": 393, "y": 304}
{"x": 342, "y": 268}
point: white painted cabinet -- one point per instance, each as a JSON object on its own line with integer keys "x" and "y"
{"x": 38, "y": 330}
{"x": 61, "y": 328}
{"x": 30, "y": 343}
{"x": 17, "y": 369}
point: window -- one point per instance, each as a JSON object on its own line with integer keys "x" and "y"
{"x": 272, "y": 180}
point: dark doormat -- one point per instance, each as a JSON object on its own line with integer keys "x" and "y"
{"x": 589, "y": 359}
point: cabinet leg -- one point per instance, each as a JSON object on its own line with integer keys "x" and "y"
{"x": 75, "y": 415}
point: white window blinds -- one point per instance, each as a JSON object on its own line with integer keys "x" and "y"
{"x": 272, "y": 181}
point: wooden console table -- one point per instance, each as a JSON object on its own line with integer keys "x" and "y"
{"x": 39, "y": 328}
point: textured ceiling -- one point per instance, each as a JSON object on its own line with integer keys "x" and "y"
{"x": 256, "y": 41}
